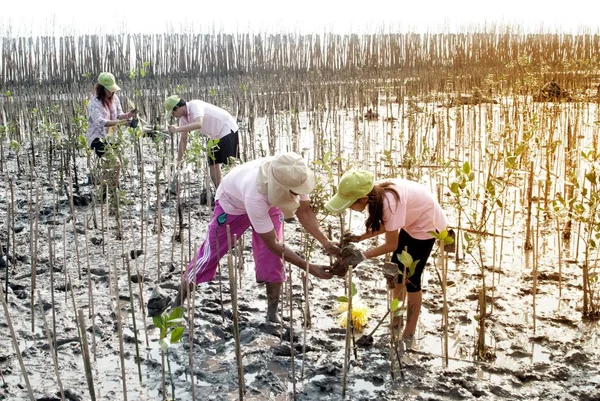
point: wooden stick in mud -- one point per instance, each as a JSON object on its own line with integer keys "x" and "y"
{"x": 65, "y": 257}
{"x": 559, "y": 246}
{"x": 91, "y": 312}
{"x": 11, "y": 214}
{"x": 306, "y": 316}
{"x": 52, "y": 344}
{"x": 535, "y": 249}
{"x": 140, "y": 280}
{"x": 16, "y": 345}
{"x": 220, "y": 275}
{"x": 191, "y": 308}
{"x": 528, "y": 235}
{"x": 85, "y": 352}
{"x": 34, "y": 257}
{"x": 135, "y": 336}
{"x": 348, "y": 333}
{"x": 75, "y": 236}
{"x": 120, "y": 329}
{"x": 51, "y": 259}
{"x": 292, "y": 350}
{"x": 236, "y": 330}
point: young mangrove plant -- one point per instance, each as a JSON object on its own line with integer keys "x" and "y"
{"x": 171, "y": 331}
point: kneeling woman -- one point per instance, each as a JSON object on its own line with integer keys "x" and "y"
{"x": 406, "y": 212}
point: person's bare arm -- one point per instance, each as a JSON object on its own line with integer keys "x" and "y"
{"x": 308, "y": 219}
{"x": 290, "y": 256}
{"x": 390, "y": 245}
{"x": 184, "y": 129}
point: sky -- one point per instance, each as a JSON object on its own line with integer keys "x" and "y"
{"x": 107, "y": 16}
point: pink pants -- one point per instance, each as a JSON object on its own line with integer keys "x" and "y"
{"x": 267, "y": 265}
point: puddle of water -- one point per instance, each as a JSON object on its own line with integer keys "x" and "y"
{"x": 363, "y": 385}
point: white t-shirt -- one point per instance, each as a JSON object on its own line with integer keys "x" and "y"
{"x": 418, "y": 212}
{"x": 216, "y": 122}
{"x": 238, "y": 195}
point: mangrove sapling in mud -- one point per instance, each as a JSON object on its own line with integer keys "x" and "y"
{"x": 444, "y": 239}
{"x": 584, "y": 208}
{"x": 486, "y": 197}
{"x": 171, "y": 328}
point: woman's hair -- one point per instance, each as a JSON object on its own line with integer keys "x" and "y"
{"x": 181, "y": 103}
{"x": 102, "y": 95}
{"x": 375, "y": 203}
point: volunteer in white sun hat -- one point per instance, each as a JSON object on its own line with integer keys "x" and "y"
{"x": 213, "y": 122}
{"x": 259, "y": 194}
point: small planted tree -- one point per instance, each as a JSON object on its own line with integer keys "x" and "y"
{"x": 171, "y": 331}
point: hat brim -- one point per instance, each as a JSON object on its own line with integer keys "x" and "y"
{"x": 114, "y": 88}
{"x": 307, "y": 186}
{"x": 338, "y": 203}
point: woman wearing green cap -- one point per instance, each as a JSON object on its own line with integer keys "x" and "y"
{"x": 406, "y": 212}
{"x": 104, "y": 112}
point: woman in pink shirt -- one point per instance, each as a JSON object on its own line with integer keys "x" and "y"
{"x": 260, "y": 194}
{"x": 406, "y": 212}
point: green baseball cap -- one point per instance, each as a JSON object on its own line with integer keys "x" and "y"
{"x": 353, "y": 185}
{"x": 171, "y": 102}
{"x": 107, "y": 80}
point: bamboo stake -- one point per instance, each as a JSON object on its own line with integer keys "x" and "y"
{"x": 51, "y": 258}
{"x": 236, "y": 333}
{"x": 119, "y": 329}
{"x": 34, "y": 257}
{"x": 16, "y": 345}
{"x": 85, "y": 352}
{"x": 348, "y": 333}
{"x": 91, "y": 312}
{"x": 51, "y": 337}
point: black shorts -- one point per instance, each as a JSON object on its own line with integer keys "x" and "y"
{"x": 98, "y": 146}
{"x": 419, "y": 249}
{"x": 228, "y": 146}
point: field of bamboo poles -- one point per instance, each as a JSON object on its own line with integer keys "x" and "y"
{"x": 503, "y": 126}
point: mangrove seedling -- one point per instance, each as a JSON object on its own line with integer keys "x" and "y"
{"x": 171, "y": 330}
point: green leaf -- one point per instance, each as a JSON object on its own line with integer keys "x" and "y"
{"x": 342, "y": 298}
{"x": 8, "y": 93}
{"x": 454, "y": 188}
{"x": 591, "y": 177}
{"x": 399, "y": 312}
{"x": 176, "y": 334}
{"x": 394, "y": 304}
{"x": 326, "y": 157}
{"x": 177, "y": 313}
{"x": 142, "y": 72}
{"x": 158, "y": 321}
{"x": 164, "y": 344}
{"x": 466, "y": 168}
{"x": 174, "y": 322}
{"x": 405, "y": 259}
{"x": 354, "y": 290}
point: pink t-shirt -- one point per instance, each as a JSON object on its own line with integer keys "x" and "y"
{"x": 216, "y": 122}
{"x": 417, "y": 213}
{"x": 238, "y": 195}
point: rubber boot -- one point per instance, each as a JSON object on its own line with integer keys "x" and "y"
{"x": 273, "y": 294}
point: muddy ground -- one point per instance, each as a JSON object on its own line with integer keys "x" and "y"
{"x": 558, "y": 360}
